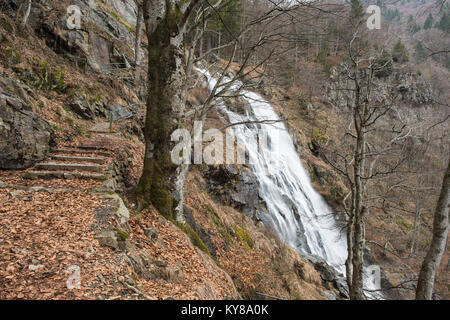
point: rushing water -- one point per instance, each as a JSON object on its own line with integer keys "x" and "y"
{"x": 295, "y": 210}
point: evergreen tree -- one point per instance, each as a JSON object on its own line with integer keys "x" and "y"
{"x": 429, "y": 22}
{"x": 420, "y": 53}
{"x": 413, "y": 27}
{"x": 357, "y": 11}
{"x": 227, "y": 20}
{"x": 399, "y": 52}
{"x": 383, "y": 65}
{"x": 444, "y": 22}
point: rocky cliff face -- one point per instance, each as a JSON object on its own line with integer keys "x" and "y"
{"x": 25, "y": 137}
{"x": 403, "y": 87}
{"x": 103, "y": 41}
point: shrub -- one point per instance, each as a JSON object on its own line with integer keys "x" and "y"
{"x": 383, "y": 65}
{"x": 399, "y": 52}
{"x": 319, "y": 137}
{"x": 48, "y": 80}
{"x": 429, "y": 22}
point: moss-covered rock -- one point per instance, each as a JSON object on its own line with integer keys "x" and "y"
{"x": 196, "y": 241}
{"x": 244, "y": 237}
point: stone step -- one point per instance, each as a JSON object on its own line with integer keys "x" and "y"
{"x": 64, "y": 175}
{"x": 78, "y": 158}
{"x": 79, "y": 151}
{"x": 103, "y": 131}
{"x": 53, "y": 166}
{"x": 92, "y": 147}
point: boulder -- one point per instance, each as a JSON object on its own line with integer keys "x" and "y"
{"x": 25, "y": 138}
{"x": 115, "y": 202}
{"x": 80, "y": 105}
{"x": 85, "y": 107}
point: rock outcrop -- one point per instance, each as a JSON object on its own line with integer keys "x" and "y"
{"x": 25, "y": 138}
{"x": 401, "y": 87}
{"x": 98, "y": 43}
{"x": 236, "y": 187}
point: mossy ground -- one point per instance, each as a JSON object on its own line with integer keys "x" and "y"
{"x": 244, "y": 237}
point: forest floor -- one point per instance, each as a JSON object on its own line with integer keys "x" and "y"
{"x": 47, "y": 235}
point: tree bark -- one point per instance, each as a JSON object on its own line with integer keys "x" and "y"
{"x": 26, "y": 15}
{"x": 348, "y": 262}
{"x": 137, "y": 44}
{"x": 357, "y": 258}
{"x": 161, "y": 183}
{"x": 438, "y": 243}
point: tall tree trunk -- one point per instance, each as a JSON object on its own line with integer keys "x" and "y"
{"x": 162, "y": 182}
{"x": 356, "y": 290}
{"x": 438, "y": 243}
{"x": 137, "y": 44}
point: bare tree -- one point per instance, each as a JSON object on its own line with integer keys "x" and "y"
{"x": 438, "y": 243}
{"x": 359, "y": 156}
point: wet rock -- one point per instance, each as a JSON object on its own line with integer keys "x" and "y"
{"x": 329, "y": 275}
{"x": 25, "y": 138}
{"x": 235, "y": 186}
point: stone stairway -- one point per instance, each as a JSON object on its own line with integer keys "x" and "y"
{"x": 81, "y": 162}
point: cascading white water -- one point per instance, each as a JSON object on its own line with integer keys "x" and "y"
{"x": 294, "y": 209}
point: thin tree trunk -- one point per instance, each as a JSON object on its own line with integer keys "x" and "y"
{"x": 200, "y": 47}
{"x": 26, "y": 15}
{"x": 356, "y": 290}
{"x": 348, "y": 262}
{"x": 438, "y": 243}
{"x": 137, "y": 44}
{"x": 415, "y": 229}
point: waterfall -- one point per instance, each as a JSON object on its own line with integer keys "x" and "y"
{"x": 300, "y": 216}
